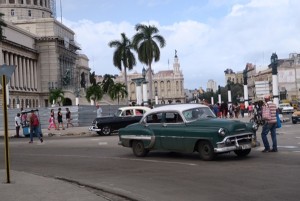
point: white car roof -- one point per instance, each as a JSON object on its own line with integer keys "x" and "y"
{"x": 176, "y": 107}
{"x": 135, "y": 107}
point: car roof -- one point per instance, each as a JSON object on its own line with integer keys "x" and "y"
{"x": 135, "y": 107}
{"x": 176, "y": 107}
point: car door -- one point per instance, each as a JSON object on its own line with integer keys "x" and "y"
{"x": 171, "y": 133}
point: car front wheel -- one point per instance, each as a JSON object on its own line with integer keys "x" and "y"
{"x": 138, "y": 149}
{"x": 106, "y": 130}
{"x": 242, "y": 153}
{"x": 206, "y": 150}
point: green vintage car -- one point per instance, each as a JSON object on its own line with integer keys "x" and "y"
{"x": 188, "y": 128}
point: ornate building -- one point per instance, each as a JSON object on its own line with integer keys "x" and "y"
{"x": 168, "y": 85}
{"x": 44, "y": 52}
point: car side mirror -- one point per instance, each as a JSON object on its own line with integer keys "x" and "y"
{"x": 144, "y": 122}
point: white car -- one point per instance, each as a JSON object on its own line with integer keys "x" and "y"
{"x": 285, "y": 108}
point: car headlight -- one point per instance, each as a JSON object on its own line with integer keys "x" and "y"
{"x": 222, "y": 132}
{"x": 254, "y": 126}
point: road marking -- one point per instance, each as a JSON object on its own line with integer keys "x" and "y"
{"x": 289, "y": 147}
{"x": 102, "y": 143}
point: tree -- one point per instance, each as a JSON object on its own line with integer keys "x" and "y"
{"x": 94, "y": 93}
{"x": 144, "y": 43}
{"x": 2, "y": 24}
{"x": 118, "y": 91}
{"x": 107, "y": 82}
{"x": 123, "y": 55}
{"x": 56, "y": 96}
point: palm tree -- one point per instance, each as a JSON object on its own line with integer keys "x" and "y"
{"x": 94, "y": 93}
{"x": 56, "y": 95}
{"x": 117, "y": 91}
{"x": 107, "y": 82}
{"x": 2, "y": 24}
{"x": 144, "y": 42}
{"x": 123, "y": 55}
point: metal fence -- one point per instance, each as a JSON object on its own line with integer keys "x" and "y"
{"x": 81, "y": 115}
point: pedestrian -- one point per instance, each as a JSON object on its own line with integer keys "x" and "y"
{"x": 250, "y": 110}
{"x": 23, "y": 118}
{"x": 34, "y": 126}
{"x": 269, "y": 115}
{"x": 242, "y": 109}
{"x": 60, "y": 119}
{"x": 68, "y": 117}
{"x": 17, "y": 124}
{"x": 99, "y": 111}
{"x": 52, "y": 120}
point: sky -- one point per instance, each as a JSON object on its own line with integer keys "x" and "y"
{"x": 208, "y": 35}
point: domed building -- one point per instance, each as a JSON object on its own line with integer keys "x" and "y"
{"x": 44, "y": 52}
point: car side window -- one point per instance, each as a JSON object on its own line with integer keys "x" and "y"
{"x": 154, "y": 118}
{"x": 128, "y": 113}
{"x": 139, "y": 112}
{"x": 173, "y": 117}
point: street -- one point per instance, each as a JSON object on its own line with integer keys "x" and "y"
{"x": 99, "y": 162}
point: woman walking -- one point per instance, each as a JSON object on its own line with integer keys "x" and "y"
{"x": 52, "y": 120}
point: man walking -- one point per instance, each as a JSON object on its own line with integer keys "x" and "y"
{"x": 99, "y": 111}
{"x": 34, "y": 126}
{"x": 269, "y": 115}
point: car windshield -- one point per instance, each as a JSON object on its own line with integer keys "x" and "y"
{"x": 198, "y": 113}
{"x": 118, "y": 113}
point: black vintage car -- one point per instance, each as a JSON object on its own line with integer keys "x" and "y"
{"x": 123, "y": 117}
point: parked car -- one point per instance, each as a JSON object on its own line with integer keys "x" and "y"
{"x": 188, "y": 128}
{"x": 296, "y": 117}
{"x": 285, "y": 108}
{"x": 123, "y": 116}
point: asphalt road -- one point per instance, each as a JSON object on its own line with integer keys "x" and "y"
{"x": 100, "y": 163}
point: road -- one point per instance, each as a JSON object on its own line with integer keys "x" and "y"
{"x": 100, "y": 163}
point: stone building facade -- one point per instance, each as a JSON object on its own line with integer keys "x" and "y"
{"x": 44, "y": 52}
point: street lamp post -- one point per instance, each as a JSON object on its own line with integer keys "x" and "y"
{"x": 274, "y": 64}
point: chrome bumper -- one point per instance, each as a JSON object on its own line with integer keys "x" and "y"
{"x": 233, "y": 148}
{"x": 93, "y": 128}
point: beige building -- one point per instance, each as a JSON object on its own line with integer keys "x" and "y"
{"x": 168, "y": 85}
{"x": 44, "y": 52}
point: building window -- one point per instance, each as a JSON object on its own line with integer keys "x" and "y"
{"x": 12, "y": 12}
{"x": 29, "y": 13}
{"x": 28, "y": 2}
{"x": 12, "y": 1}
{"x": 41, "y": 3}
{"x": 35, "y": 2}
{"x": 21, "y": 1}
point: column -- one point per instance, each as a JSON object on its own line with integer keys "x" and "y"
{"x": 35, "y": 75}
{"x": 17, "y": 81}
{"x": 145, "y": 95}
{"x": 31, "y": 74}
{"x": 21, "y": 59}
{"x": 24, "y": 74}
{"x": 11, "y": 62}
{"x": 138, "y": 94}
{"x": 28, "y": 73}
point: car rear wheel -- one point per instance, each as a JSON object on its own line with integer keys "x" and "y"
{"x": 106, "y": 130}
{"x": 242, "y": 153}
{"x": 206, "y": 150}
{"x": 138, "y": 149}
{"x": 294, "y": 122}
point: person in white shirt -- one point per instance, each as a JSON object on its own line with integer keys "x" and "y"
{"x": 99, "y": 111}
{"x": 18, "y": 124}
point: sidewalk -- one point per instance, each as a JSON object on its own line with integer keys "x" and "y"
{"x": 49, "y": 133}
{"x": 29, "y": 187}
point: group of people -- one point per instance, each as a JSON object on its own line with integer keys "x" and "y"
{"x": 32, "y": 121}
{"x": 225, "y": 110}
{"x": 52, "y": 120}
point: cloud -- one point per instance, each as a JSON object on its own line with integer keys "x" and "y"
{"x": 249, "y": 32}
